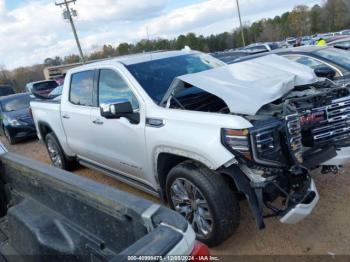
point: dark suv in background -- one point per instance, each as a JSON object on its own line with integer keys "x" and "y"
{"x": 6, "y": 90}
{"x": 16, "y": 118}
{"x": 41, "y": 88}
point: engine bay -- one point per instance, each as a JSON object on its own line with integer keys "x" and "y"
{"x": 307, "y": 123}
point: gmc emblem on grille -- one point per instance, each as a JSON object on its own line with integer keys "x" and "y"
{"x": 312, "y": 118}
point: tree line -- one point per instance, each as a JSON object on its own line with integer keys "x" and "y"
{"x": 332, "y": 16}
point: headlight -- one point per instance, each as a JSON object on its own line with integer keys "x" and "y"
{"x": 14, "y": 122}
{"x": 260, "y": 144}
{"x": 237, "y": 141}
{"x": 266, "y": 143}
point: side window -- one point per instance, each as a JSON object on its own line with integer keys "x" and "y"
{"x": 309, "y": 61}
{"x": 112, "y": 86}
{"x": 343, "y": 45}
{"x": 304, "y": 60}
{"x": 81, "y": 88}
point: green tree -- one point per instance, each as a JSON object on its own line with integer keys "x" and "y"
{"x": 124, "y": 49}
{"x": 315, "y": 19}
{"x": 53, "y": 61}
{"x": 71, "y": 59}
{"x": 299, "y": 21}
{"x": 181, "y": 42}
{"x": 336, "y": 14}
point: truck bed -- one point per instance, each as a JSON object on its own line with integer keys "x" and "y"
{"x": 47, "y": 212}
{"x": 50, "y": 112}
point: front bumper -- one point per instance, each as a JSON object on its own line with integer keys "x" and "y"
{"x": 297, "y": 191}
{"x": 303, "y": 209}
{"x": 22, "y": 131}
{"x": 343, "y": 156}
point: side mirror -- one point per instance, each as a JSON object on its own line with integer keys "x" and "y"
{"x": 116, "y": 109}
{"x": 325, "y": 71}
{"x": 343, "y": 47}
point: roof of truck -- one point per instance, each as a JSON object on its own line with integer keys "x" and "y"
{"x": 140, "y": 58}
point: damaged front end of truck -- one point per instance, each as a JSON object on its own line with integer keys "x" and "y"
{"x": 298, "y": 124}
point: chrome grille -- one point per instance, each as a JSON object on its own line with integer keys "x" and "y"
{"x": 336, "y": 125}
{"x": 294, "y": 136}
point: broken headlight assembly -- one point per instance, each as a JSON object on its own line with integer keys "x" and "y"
{"x": 237, "y": 141}
{"x": 261, "y": 144}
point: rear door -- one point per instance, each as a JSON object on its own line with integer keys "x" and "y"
{"x": 118, "y": 144}
{"x": 75, "y": 113}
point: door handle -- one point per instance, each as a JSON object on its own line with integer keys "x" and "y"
{"x": 66, "y": 116}
{"x": 97, "y": 122}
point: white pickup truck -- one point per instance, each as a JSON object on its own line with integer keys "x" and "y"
{"x": 198, "y": 133}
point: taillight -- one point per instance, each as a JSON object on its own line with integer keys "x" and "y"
{"x": 200, "y": 252}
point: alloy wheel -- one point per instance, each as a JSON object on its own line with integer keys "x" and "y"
{"x": 54, "y": 153}
{"x": 188, "y": 200}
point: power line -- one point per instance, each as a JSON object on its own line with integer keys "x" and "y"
{"x": 240, "y": 22}
{"x": 68, "y": 14}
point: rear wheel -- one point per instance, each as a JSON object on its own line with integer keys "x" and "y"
{"x": 56, "y": 154}
{"x": 205, "y": 199}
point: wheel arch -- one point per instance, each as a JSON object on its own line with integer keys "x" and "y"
{"x": 44, "y": 128}
{"x": 167, "y": 158}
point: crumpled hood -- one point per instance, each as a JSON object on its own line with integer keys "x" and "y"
{"x": 247, "y": 86}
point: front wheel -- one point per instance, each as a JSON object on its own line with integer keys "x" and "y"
{"x": 8, "y": 136}
{"x": 205, "y": 199}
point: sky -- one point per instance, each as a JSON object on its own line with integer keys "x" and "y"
{"x": 32, "y": 30}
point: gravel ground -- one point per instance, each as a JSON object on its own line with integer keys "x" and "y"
{"x": 325, "y": 232}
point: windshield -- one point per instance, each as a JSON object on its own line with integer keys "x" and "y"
{"x": 45, "y": 85}
{"x": 57, "y": 91}
{"x": 16, "y": 103}
{"x": 156, "y": 76}
{"x": 337, "y": 56}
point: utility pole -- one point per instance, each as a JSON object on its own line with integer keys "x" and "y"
{"x": 68, "y": 14}
{"x": 240, "y": 22}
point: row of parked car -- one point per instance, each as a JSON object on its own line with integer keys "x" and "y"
{"x": 339, "y": 40}
{"x": 17, "y": 122}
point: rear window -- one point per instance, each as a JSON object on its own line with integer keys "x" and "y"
{"x": 45, "y": 86}
{"x": 81, "y": 88}
{"x": 15, "y": 103}
{"x": 6, "y": 90}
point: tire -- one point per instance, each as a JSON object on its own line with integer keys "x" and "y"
{"x": 9, "y": 138}
{"x": 56, "y": 154}
{"x": 3, "y": 200}
{"x": 221, "y": 210}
